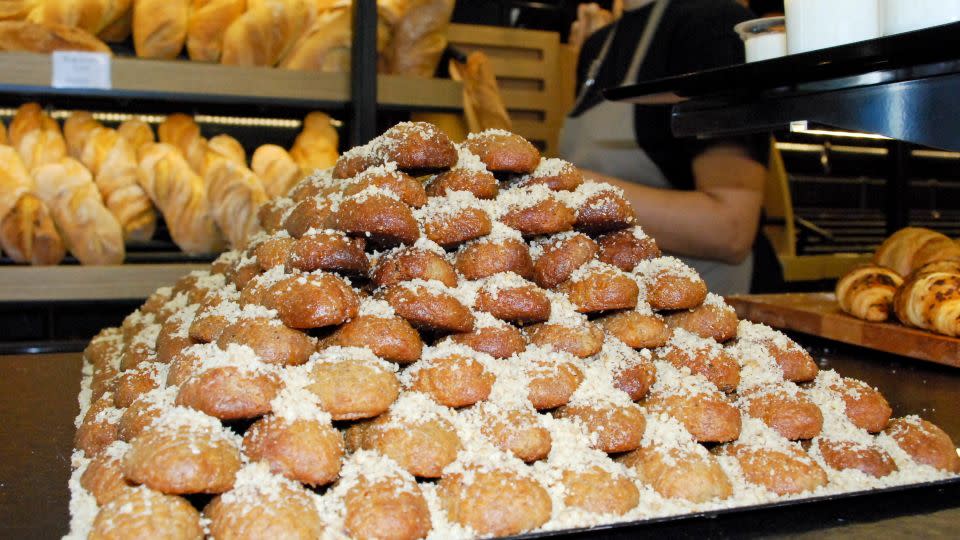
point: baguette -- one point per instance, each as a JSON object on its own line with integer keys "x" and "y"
{"x": 160, "y": 27}
{"x": 316, "y": 145}
{"x": 930, "y": 299}
{"x": 276, "y": 169}
{"x": 77, "y": 129}
{"x": 866, "y": 292}
{"x": 89, "y": 15}
{"x": 113, "y": 164}
{"x": 179, "y": 194}
{"x": 266, "y": 32}
{"x": 912, "y": 247}
{"x": 419, "y": 38}
{"x": 235, "y": 195}
{"x": 483, "y": 104}
{"x": 181, "y": 131}
{"x": 209, "y": 20}
{"x": 27, "y": 232}
{"x": 90, "y": 231}
{"x": 136, "y": 132}
{"x": 46, "y": 38}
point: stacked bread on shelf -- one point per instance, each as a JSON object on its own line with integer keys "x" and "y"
{"x": 103, "y": 187}
{"x": 293, "y": 34}
{"x": 915, "y": 277}
{"x": 451, "y": 341}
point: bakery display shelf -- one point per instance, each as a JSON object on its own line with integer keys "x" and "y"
{"x": 38, "y": 397}
{"x": 819, "y": 314}
{"x": 74, "y": 282}
{"x": 197, "y": 82}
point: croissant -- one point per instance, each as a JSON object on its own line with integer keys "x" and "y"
{"x": 113, "y": 164}
{"x": 316, "y": 145}
{"x": 90, "y": 231}
{"x": 866, "y": 292}
{"x": 910, "y": 248}
{"x": 276, "y": 169}
{"x": 209, "y": 20}
{"x": 931, "y": 301}
{"x": 180, "y": 195}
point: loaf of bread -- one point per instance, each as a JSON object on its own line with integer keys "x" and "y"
{"x": 179, "y": 194}
{"x": 113, "y": 163}
{"x": 90, "y": 15}
{"x": 90, "y": 231}
{"x": 325, "y": 46}
{"x": 912, "y": 247}
{"x": 181, "y": 131}
{"x": 77, "y": 129}
{"x": 482, "y": 103}
{"x": 276, "y": 169}
{"x": 209, "y": 20}
{"x": 160, "y": 27}
{"x": 235, "y": 194}
{"x": 119, "y": 30}
{"x": 136, "y": 132}
{"x": 866, "y": 292}
{"x": 266, "y": 32}
{"x": 316, "y": 145}
{"x": 27, "y": 232}
{"x": 930, "y": 299}
{"x": 36, "y": 136}
{"x": 46, "y": 38}
{"x": 419, "y": 38}
{"x": 15, "y": 10}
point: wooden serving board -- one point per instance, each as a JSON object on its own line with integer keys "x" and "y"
{"x": 820, "y": 315}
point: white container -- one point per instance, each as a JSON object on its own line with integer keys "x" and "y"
{"x": 908, "y": 15}
{"x": 763, "y": 39}
{"x": 817, "y": 24}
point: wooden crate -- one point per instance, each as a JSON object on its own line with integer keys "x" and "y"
{"x": 528, "y": 67}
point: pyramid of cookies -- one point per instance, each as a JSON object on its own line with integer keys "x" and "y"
{"x": 458, "y": 340}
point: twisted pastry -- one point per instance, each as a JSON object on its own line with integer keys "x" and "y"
{"x": 930, "y": 300}
{"x": 866, "y": 292}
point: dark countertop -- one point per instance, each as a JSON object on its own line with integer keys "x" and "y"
{"x": 38, "y": 402}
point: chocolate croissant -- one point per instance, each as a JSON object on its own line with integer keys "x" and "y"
{"x": 866, "y": 292}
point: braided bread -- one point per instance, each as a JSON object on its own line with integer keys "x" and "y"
{"x": 866, "y": 292}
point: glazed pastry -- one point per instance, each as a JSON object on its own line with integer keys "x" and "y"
{"x": 407, "y": 189}
{"x": 377, "y": 214}
{"x": 103, "y": 477}
{"x": 702, "y": 356}
{"x": 429, "y": 305}
{"x": 484, "y": 258}
{"x": 694, "y": 402}
{"x": 865, "y": 406}
{"x": 409, "y": 263}
{"x": 502, "y": 151}
{"x": 599, "y": 491}
{"x": 712, "y": 319}
{"x": 553, "y": 377}
{"x": 599, "y": 287}
{"x": 492, "y": 336}
{"x": 511, "y": 298}
{"x": 389, "y": 500}
{"x": 581, "y": 340}
{"x": 534, "y": 211}
{"x": 494, "y": 502}
{"x": 515, "y": 430}
{"x": 352, "y": 383}
{"x": 639, "y": 328}
{"x": 298, "y": 442}
{"x": 617, "y": 427}
{"x": 453, "y": 375}
{"x": 843, "y": 455}
{"x": 145, "y": 513}
{"x": 599, "y": 208}
{"x": 670, "y": 284}
{"x": 554, "y": 173}
{"x": 867, "y": 292}
{"x": 783, "y": 408}
{"x": 99, "y": 427}
{"x": 469, "y": 175}
{"x": 232, "y": 384}
{"x": 557, "y": 257}
{"x": 925, "y": 443}
{"x": 794, "y": 361}
{"x": 453, "y": 219}
{"x": 626, "y": 248}
{"x": 309, "y": 300}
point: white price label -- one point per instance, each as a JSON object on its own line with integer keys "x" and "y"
{"x": 73, "y": 69}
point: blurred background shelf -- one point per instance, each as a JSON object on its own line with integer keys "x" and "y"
{"x": 84, "y": 283}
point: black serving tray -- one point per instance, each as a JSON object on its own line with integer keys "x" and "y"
{"x": 921, "y": 53}
{"x": 784, "y": 517}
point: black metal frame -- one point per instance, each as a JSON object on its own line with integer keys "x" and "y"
{"x": 363, "y": 72}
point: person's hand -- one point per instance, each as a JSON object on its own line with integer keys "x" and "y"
{"x": 590, "y": 18}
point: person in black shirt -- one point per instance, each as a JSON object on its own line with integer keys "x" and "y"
{"x": 700, "y": 199}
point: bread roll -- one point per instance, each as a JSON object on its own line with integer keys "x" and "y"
{"x": 90, "y": 231}
{"x": 866, "y": 292}
{"x": 912, "y": 247}
{"x": 90, "y": 15}
{"x": 181, "y": 131}
{"x": 136, "y": 132}
{"x": 316, "y": 145}
{"x": 113, "y": 164}
{"x": 160, "y": 27}
{"x": 46, "y": 38}
{"x": 15, "y": 182}
{"x": 276, "y": 169}
{"x": 931, "y": 301}
{"x": 419, "y": 38}
{"x": 29, "y": 117}
{"x": 235, "y": 194}
{"x": 27, "y": 232}
{"x": 228, "y": 147}
{"x": 266, "y": 32}
{"x": 77, "y": 129}
{"x": 325, "y": 46}
{"x": 180, "y": 195}
{"x": 209, "y": 20}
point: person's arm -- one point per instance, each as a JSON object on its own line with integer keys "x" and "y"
{"x": 717, "y": 221}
